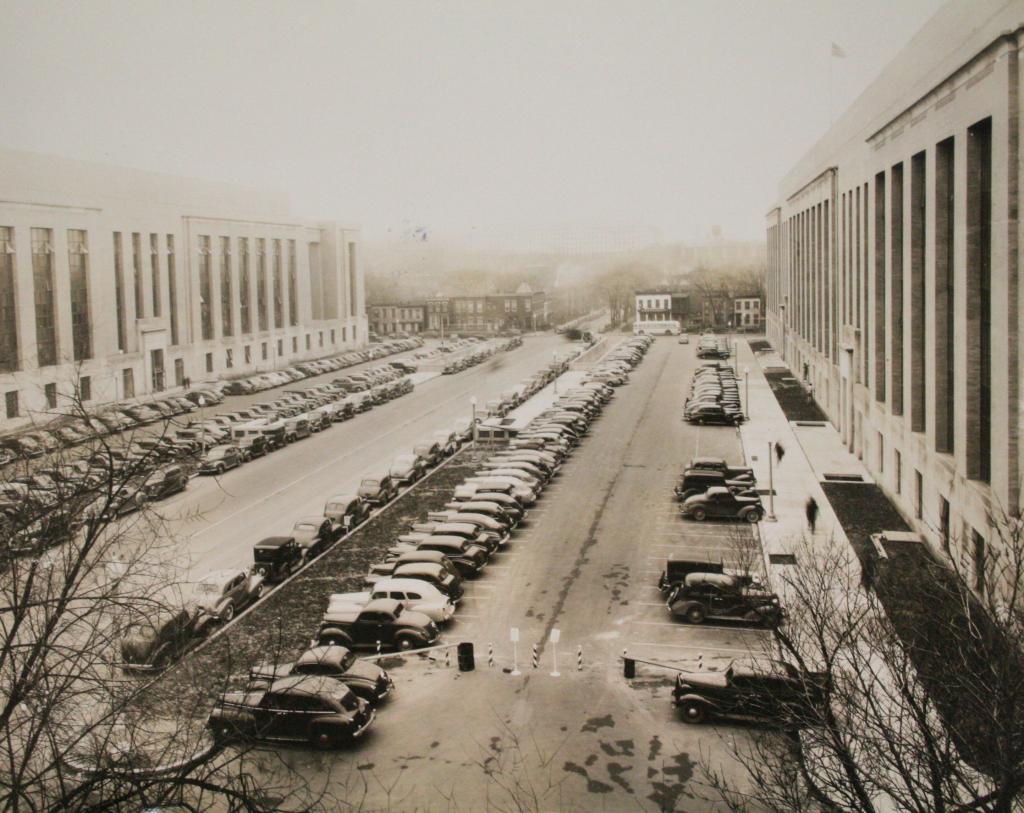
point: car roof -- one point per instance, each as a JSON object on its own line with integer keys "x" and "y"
{"x": 706, "y": 462}
{"x": 308, "y": 684}
{"x": 311, "y": 520}
{"x": 383, "y": 605}
{"x": 718, "y": 579}
{"x": 274, "y": 541}
{"x": 334, "y": 655}
{"x": 405, "y": 582}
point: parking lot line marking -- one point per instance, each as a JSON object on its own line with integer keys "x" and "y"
{"x": 649, "y": 603}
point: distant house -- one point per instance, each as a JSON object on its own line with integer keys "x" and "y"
{"x": 747, "y": 313}
{"x": 488, "y": 314}
{"x": 398, "y": 317}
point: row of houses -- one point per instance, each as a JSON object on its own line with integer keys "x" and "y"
{"x": 657, "y": 311}
{"x": 474, "y": 314}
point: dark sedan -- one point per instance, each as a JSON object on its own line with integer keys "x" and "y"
{"x": 366, "y": 679}
{"x": 719, "y": 502}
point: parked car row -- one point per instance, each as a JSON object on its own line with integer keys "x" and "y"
{"x": 472, "y": 356}
{"x": 326, "y": 697}
{"x": 714, "y": 396}
{"x": 711, "y": 346}
{"x": 77, "y": 429}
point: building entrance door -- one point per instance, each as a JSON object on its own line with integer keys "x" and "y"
{"x": 156, "y": 366}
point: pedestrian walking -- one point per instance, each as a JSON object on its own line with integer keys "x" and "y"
{"x": 812, "y": 513}
{"x": 780, "y": 453}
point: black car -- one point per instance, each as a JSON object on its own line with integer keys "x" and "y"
{"x": 165, "y": 481}
{"x": 314, "y": 535}
{"x": 366, "y": 679}
{"x": 722, "y": 596}
{"x": 383, "y": 622}
{"x": 713, "y": 414}
{"x": 721, "y": 503}
{"x": 698, "y": 481}
{"x": 765, "y": 691}
{"x": 219, "y": 459}
{"x": 306, "y": 708}
{"x": 277, "y": 557}
{"x": 158, "y": 638}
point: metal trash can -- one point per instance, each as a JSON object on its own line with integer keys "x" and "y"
{"x": 467, "y": 663}
{"x": 628, "y": 668}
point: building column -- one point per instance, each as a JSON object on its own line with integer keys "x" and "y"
{"x": 62, "y": 296}
{"x": 25, "y": 298}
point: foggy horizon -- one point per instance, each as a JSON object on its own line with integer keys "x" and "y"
{"x": 469, "y": 125}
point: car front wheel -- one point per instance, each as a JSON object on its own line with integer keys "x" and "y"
{"x": 324, "y": 739}
{"x": 229, "y": 613}
{"x": 258, "y": 593}
{"x": 695, "y": 615}
{"x": 753, "y": 516}
{"x": 699, "y": 514}
{"x": 694, "y": 712}
{"x": 405, "y": 643}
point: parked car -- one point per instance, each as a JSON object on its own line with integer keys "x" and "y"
{"x": 165, "y": 481}
{"x": 277, "y": 557}
{"x": 219, "y": 459}
{"x": 385, "y": 621}
{"x": 347, "y": 511}
{"x": 365, "y": 679}
{"x": 766, "y": 691}
{"x": 419, "y": 596}
{"x": 160, "y": 636}
{"x": 305, "y": 708}
{"x": 718, "y": 464}
{"x": 377, "y": 490}
{"x": 314, "y": 535}
{"x": 407, "y": 468}
{"x": 721, "y": 503}
{"x": 431, "y": 452}
{"x": 724, "y": 597}
{"x": 221, "y": 593}
{"x": 698, "y": 481}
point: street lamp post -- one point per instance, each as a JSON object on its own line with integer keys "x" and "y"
{"x": 472, "y": 403}
{"x": 771, "y": 482}
{"x": 202, "y": 421}
{"x": 746, "y": 391}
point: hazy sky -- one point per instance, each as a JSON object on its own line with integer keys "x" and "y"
{"x": 461, "y": 117}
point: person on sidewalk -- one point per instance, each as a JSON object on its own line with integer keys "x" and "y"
{"x": 780, "y": 453}
{"x": 812, "y": 513}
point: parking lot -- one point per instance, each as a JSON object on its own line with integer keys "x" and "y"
{"x": 585, "y": 563}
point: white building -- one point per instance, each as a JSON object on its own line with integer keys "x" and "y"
{"x": 654, "y": 314}
{"x": 118, "y": 283}
{"x": 747, "y": 311}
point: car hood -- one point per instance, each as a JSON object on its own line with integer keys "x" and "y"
{"x": 136, "y": 648}
{"x": 366, "y": 670}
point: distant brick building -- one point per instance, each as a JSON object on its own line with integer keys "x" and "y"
{"x": 400, "y": 317}
{"x": 488, "y": 314}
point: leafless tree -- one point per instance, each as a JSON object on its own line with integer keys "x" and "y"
{"x": 83, "y": 558}
{"x": 925, "y": 707}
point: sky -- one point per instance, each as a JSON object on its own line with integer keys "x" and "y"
{"x": 467, "y": 120}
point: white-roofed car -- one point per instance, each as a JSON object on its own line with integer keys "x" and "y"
{"x": 419, "y": 596}
{"x": 221, "y": 593}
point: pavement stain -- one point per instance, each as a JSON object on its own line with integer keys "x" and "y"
{"x": 666, "y": 794}
{"x": 593, "y": 785}
{"x": 590, "y": 760}
{"x": 615, "y": 773}
{"x": 655, "y": 748}
{"x": 594, "y": 723}
{"x": 620, "y": 748}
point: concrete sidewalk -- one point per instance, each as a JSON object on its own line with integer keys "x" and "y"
{"x": 809, "y": 453}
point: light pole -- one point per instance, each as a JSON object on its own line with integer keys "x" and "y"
{"x": 771, "y": 482}
{"x": 202, "y": 421}
{"x": 554, "y": 361}
{"x": 472, "y": 403}
{"x": 746, "y": 391}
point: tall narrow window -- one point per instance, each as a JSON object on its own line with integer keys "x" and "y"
{"x": 172, "y": 289}
{"x": 896, "y": 302}
{"x": 980, "y": 560}
{"x": 978, "y": 338}
{"x": 78, "y": 278}
{"x": 127, "y": 383}
{"x": 918, "y": 324}
{"x": 918, "y": 495}
{"x": 879, "y": 277}
{"x": 205, "y": 287}
{"x": 944, "y": 523}
{"x": 353, "y": 284}
{"x": 140, "y": 305}
{"x": 293, "y": 286}
{"x": 278, "y": 287}
{"x": 864, "y": 290}
{"x": 945, "y": 337}
{"x": 261, "y": 282}
{"x": 8, "y": 304}
{"x": 315, "y": 294}
{"x": 42, "y": 283}
{"x": 154, "y": 269}
{"x": 119, "y": 291}
{"x": 244, "y": 294}
{"x": 226, "y": 302}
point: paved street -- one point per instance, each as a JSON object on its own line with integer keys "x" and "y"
{"x": 586, "y": 564}
{"x": 217, "y": 520}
